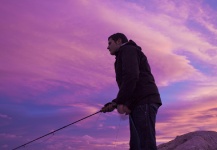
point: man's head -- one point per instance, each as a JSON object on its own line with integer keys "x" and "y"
{"x": 115, "y": 41}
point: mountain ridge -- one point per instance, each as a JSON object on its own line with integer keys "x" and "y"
{"x": 197, "y": 140}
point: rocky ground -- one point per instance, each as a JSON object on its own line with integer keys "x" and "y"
{"x": 198, "y": 140}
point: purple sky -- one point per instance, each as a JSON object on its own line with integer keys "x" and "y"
{"x": 55, "y": 69}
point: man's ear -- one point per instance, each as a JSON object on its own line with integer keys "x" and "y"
{"x": 119, "y": 41}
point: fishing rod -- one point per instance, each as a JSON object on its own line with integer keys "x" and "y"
{"x": 56, "y": 130}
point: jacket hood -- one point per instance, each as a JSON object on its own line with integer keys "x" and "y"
{"x": 131, "y": 42}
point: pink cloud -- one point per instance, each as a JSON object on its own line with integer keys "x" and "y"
{"x": 68, "y": 61}
{"x": 3, "y": 116}
{"x": 187, "y": 116}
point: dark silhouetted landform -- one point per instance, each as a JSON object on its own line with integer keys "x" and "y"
{"x": 198, "y": 140}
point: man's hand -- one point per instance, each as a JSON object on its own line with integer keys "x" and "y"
{"x": 123, "y": 109}
{"x": 109, "y": 107}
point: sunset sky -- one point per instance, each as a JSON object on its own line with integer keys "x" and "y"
{"x": 55, "y": 69}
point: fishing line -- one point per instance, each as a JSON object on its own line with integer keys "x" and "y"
{"x": 56, "y": 130}
{"x": 116, "y": 139}
{"x": 49, "y": 137}
{"x": 96, "y": 122}
{"x": 97, "y": 119}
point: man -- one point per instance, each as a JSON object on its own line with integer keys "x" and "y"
{"x": 138, "y": 94}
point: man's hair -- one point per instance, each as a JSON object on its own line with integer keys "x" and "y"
{"x": 117, "y": 36}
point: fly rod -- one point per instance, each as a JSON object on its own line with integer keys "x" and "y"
{"x": 56, "y": 130}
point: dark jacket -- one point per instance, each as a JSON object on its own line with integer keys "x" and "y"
{"x": 134, "y": 77}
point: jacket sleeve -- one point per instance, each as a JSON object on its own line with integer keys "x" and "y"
{"x": 130, "y": 75}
